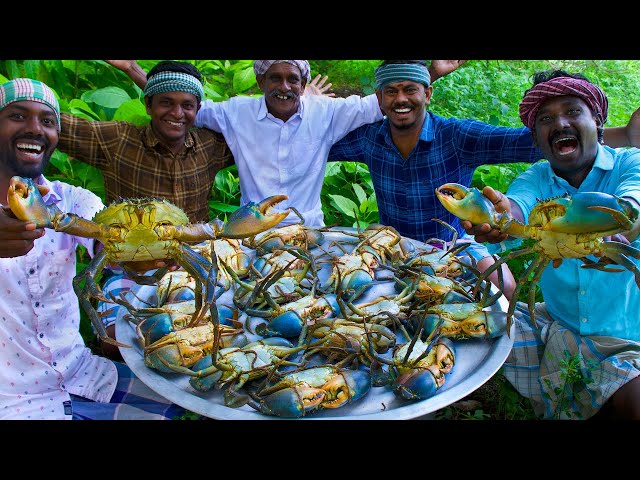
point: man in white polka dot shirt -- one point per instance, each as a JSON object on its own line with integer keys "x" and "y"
{"x": 47, "y": 371}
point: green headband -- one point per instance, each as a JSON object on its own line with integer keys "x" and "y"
{"x": 174, "y": 82}
{"x": 21, "y": 89}
{"x": 398, "y": 72}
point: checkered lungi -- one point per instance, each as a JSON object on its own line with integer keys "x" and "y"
{"x": 534, "y": 366}
{"x": 117, "y": 282}
{"x": 132, "y": 400}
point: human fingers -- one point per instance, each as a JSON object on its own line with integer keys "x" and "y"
{"x": 483, "y": 232}
{"x": 15, "y": 248}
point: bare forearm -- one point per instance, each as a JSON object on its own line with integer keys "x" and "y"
{"x": 617, "y": 137}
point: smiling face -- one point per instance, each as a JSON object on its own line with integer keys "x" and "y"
{"x": 172, "y": 115}
{"x": 566, "y": 131}
{"x": 282, "y": 86}
{"x": 28, "y": 137}
{"x": 404, "y": 103}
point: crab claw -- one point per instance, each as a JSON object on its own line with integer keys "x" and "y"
{"x": 26, "y": 203}
{"x": 467, "y": 203}
{"x": 292, "y": 402}
{"x": 254, "y": 218}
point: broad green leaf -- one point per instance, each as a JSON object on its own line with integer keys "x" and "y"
{"x": 80, "y": 108}
{"x": 244, "y": 80}
{"x": 344, "y": 205}
{"x": 132, "y": 111}
{"x": 360, "y": 193}
{"x": 108, "y": 97}
{"x": 223, "y": 207}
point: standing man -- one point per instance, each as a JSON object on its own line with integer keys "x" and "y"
{"x": 49, "y": 372}
{"x": 566, "y": 115}
{"x": 412, "y": 152}
{"x": 167, "y": 158}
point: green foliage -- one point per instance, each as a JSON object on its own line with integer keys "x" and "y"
{"x": 225, "y": 193}
{"x": 499, "y": 177}
{"x": 347, "y": 196}
{"x": 576, "y": 374}
{"x": 511, "y": 405}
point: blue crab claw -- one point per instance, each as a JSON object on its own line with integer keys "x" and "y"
{"x": 206, "y": 383}
{"x": 156, "y": 327}
{"x": 254, "y": 218}
{"x": 418, "y": 384}
{"x": 588, "y": 212}
{"x": 356, "y": 280}
{"x": 347, "y": 387}
{"x": 481, "y": 324}
{"x": 287, "y": 324}
{"x": 26, "y": 203}
{"x": 467, "y": 203}
{"x": 292, "y": 402}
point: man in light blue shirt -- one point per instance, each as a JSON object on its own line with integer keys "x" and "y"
{"x": 589, "y": 317}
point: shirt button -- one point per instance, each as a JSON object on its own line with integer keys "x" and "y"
{"x": 54, "y": 364}
{"x": 32, "y": 271}
{"x": 583, "y": 320}
{"x": 37, "y": 304}
{"x": 582, "y": 292}
{"x": 41, "y": 335}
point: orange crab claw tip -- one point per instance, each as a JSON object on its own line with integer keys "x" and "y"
{"x": 265, "y": 205}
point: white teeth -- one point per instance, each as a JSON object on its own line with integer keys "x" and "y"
{"x": 29, "y": 146}
{"x": 402, "y": 110}
{"x": 282, "y": 97}
{"x": 175, "y": 124}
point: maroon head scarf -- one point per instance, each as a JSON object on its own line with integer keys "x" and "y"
{"x": 587, "y": 91}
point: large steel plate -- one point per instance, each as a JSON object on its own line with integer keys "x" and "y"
{"x": 476, "y": 362}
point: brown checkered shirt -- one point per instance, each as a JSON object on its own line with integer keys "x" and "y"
{"x": 135, "y": 164}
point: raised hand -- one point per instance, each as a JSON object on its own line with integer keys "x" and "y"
{"x": 442, "y": 68}
{"x": 317, "y": 86}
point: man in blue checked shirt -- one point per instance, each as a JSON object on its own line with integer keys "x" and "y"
{"x": 588, "y": 315}
{"x": 411, "y": 152}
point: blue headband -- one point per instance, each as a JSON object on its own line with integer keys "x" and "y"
{"x": 398, "y": 72}
{"x": 173, "y": 82}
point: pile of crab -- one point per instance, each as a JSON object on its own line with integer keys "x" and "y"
{"x": 291, "y": 320}
{"x": 304, "y": 320}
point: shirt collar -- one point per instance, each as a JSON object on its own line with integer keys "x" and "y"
{"x": 263, "y": 111}
{"x": 427, "y": 133}
{"x": 604, "y": 161}
{"x": 151, "y": 140}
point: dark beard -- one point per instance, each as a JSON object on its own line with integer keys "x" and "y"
{"x": 12, "y": 164}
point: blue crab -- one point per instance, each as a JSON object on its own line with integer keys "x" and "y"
{"x": 142, "y": 229}
{"x": 561, "y": 227}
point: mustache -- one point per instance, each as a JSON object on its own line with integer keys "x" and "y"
{"x": 288, "y": 94}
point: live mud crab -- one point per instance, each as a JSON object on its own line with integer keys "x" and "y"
{"x": 141, "y": 229}
{"x": 561, "y": 227}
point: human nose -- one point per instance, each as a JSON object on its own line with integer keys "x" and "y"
{"x": 33, "y": 125}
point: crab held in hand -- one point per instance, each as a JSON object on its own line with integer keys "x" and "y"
{"x": 142, "y": 229}
{"x": 561, "y": 227}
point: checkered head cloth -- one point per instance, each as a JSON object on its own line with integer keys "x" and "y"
{"x": 260, "y": 67}
{"x": 21, "y": 89}
{"x": 173, "y": 82}
{"x": 560, "y": 86}
{"x": 398, "y": 72}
